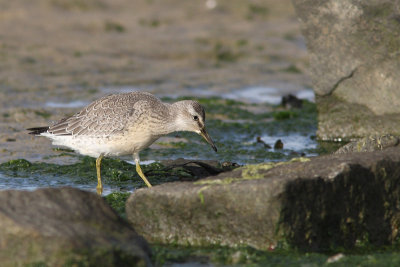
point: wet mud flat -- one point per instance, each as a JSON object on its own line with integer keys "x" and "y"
{"x": 62, "y": 55}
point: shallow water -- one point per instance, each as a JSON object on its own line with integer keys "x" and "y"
{"x": 262, "y": 94}
{"x": 241, "y": 149}
{"x": 252, "y": 94}
{"x": 73, "y": 104}
{"x": 294, "y": 142}
{"x": 34, "y": 182}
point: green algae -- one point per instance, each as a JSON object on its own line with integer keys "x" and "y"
{"x": 117, "y": 202}
{"x": 114, "y": 171}
{"x": 249, "y": 172}
{"x": 37, "y": 264}
{"x": 247, "y": 256}
{"x": 200, "y": 194}
{"x": 284, "y": 115}
{"x": 173, "y": 144}
{"x": 81, "y": 5}
{"x": 292, "y": 69}
{"x": 62, "y": 149}
{"x": 42, "y": 113}
{"x": 241, "y": 42}
{"x": 224, "y": 53}
{"x": 327, "y": 147}
{"x": 112, "y": 26}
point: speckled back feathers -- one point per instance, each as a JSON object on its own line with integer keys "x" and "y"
{"x": 109, "y": 115}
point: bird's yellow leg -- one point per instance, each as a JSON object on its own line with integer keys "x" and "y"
{"x": 99, "y": 187}
{"x": 139, "y": 170}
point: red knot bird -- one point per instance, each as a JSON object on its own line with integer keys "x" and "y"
{"x": 124, "y": 124}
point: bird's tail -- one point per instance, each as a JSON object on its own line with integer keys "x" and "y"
{"x": 38, "y": 130}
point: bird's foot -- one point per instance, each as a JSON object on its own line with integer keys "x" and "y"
{"x": 99, "y": 190}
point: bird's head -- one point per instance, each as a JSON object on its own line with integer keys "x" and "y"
{"x": 191, "y": 117}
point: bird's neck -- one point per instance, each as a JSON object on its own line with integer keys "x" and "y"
{"x": 176, "y": 121}
{"x": 170, "y": 122}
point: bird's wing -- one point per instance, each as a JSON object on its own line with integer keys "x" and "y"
{"x": 106, "y": 116}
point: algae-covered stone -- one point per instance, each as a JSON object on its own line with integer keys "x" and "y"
{"x": 354, "y": 60}
{"x": 370, "y": 143}
{"x": 314, "y": 204}
{"x": 65, "y": 226}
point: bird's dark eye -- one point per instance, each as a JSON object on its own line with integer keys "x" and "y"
{"x": 196, "y": 118}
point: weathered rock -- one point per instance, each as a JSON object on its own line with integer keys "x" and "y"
{"x": 65, "y": 226}
{"x": 370, "y": 143}
{"x": 354, "y": 59}
{"x": 313, "y": 204}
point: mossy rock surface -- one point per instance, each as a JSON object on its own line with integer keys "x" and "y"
{"x": 370, "y": 143}
{"x": 319, "y": 204}
{"x": 65, "y": 227}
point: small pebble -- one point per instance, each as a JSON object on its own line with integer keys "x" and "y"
{"x": 291, "y": 101}
{"x": 278, "y": 144}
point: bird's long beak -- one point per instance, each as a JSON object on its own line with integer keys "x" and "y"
{"x": 205, "y": 135}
